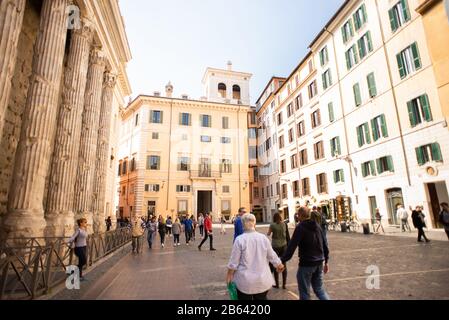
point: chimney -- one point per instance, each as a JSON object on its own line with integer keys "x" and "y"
{"x": 169, "y": 90}
{"x": 229, "y": 66}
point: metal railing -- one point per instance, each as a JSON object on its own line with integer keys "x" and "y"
{"x": 195, "y": 174}
{"x": 32, "y": 267}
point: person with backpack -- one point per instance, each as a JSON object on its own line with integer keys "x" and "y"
{"x": 168, "y": 226}
{"x": 79, "y": 240}
{"x": 152, "y": 230}
{"x": 280, "y": 238}
{"x": 177, "y": 228}
{"x": 419, "y": 223}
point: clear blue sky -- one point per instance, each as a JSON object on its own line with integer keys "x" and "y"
{"x": 176, "y": 40}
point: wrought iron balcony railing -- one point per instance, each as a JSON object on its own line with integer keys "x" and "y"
{"x": 205, "y": 174}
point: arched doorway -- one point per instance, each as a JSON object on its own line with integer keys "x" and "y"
{"x": 394, "y": 198}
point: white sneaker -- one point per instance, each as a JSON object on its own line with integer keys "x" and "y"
{"x": 187, "y": 244}
{"x": 162, "y": 245}
{"x": 179, "y": 244}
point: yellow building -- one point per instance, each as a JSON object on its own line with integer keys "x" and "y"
{"x": 436, "y": 25}
{"x": 181, "y": 156}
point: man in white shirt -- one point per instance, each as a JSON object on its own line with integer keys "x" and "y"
{"x": 402, "y": 216}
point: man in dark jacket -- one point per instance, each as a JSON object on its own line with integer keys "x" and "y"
{"x": 418, "y": 223}
{"x": 313, "y": 256}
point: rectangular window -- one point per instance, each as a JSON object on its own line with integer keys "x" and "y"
{"x": 385, "y": 164}
{"x": 301, "y": 129}
{"x": 153, "y": 163}
{"x": 428, "y": 153}
{"x": 305, "y": 187}
{"x": 283, "y": 167}
{"x": 225, "y": 166}
{"x": 278, "y": 188}
{"x": 119, "y": 169}
{"x": 324, "y": 56}
{"x": 360, "y": 17}
{"x": 419, "y": 110}
{"x": 252, "y": 151}
{"x": 299, "y": 101}
{"x": 183, "y": 164}
{"x": 185, "y": 119}
{"x": 133, "y": 164}
{"x": 399, "y": 15}
{"x": 156, "y": 116}
{"x": 225, "y": 122}
{"x": 263, "y": 192}
{"x": 335, "y": 147}
{"x": 225, "y": 140}
{"x": 152, "y": 188}
{"x": 155, "y": 135}
{"x": 206, "y": 138}
{"x": 125, "y": 167}
{"x": 256, "y": 192}
{"x": 294, "y": 161}
{"x": 183, "y": 206}
{"x": 363, "y": 134}
{"x": 281, "y": 142}
{"x": 290, "y": 110}
{"x": 357, "y": 94}
{"x": 182, "y": 188}
{"x": 225, "y": 189}
{"x": 303, "y": 158}
{"x": 409, "y": 60}
{"x": 339, "y": 176}
{"x": 252, "y": 133}
{"x": 365, "y": 45}
{"x": 291, "y": 135}
{"x": 271, "y": 189}
{"x": 284, "y": 191}
{"x": 316, "y": 119}
{"x": 351, "y": 57}
{"x": 368, "y": 169}
{"x": 279, "y": 116}
{"x": 296, "y": 190}
{"x": 319, "y": 150}
{"x": 313, "y": 90}
{"x": 327, "y": 79}
{"x": 321, "y": 181}
{"x": 226, "y": 207}
{"x": 330, "y": 108}
{"x": 205, "y": 121}
{"x": 371, "y": 85}
{"x": 347, "y": 31}
{"x": 379, "y": 127}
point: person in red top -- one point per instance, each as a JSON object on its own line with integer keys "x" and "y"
{"x": 207, "y": 232}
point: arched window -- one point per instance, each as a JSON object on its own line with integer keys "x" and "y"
{"x": 222, "y": 90}
{"x": 236, "y": 92}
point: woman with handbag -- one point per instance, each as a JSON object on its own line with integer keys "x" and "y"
{"x": 279, "y": 241}
{"x": 79, "y": 242}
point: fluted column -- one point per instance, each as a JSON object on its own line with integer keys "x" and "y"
{"x": 59, "y": 212}
{"x": 11, "y": 18}
{"x": 104, "y": 132}
{"x": 89, "y": 137}
{"x": 25, "y": 216}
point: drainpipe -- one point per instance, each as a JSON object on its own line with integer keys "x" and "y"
{"x": 240, "y": 163}
{"x": 169, "y": 152}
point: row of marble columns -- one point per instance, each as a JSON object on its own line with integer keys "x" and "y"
{"x": 64, "y": 139}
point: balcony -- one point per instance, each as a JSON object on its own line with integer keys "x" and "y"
{"x": 205, "y": 174}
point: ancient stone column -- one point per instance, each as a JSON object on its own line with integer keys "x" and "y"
{"x": 101, "y": 166}
{"x": 11, "y": 17}
{"x": 59, "y": 211}
{"x": 89, "y": 136}
{"x": 25, "y": 217}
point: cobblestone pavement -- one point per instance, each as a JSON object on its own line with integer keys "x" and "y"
{"x": 408, "y": 270}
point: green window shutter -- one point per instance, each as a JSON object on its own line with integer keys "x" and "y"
{"x": 356, "y": 56}
{"x": 331, "y": 112}
{"x": 370, "y": 41}
{"x": 357, "y": 96}
{"x": 343, "y": 34}
{"x": 322, "y": 57}
{"x": 342, "y": 176}
{"x": 335, "y": 176}
{"x": 361, "y": 47}
{"x": 390, "y": 163}
{"x": 405, "y": 10}
{"x": 351, "y": 28}
{"x": 420, "y": 156}
{"x": 372, "y": 165}
{"x": 384, "y": 126}
{"x": 367, "y": 135}
{"x": 411, "y": 114}
{"x": 162, "y": 116}
{"x": 401, "y": 66}
{"x": 425, "y": 105}
{"x": 379, "y": 166}
{"x": 393, "y": 22}
{"x": 330, "y": 77}
{"x": 364, "y": 173}
{"x": 332, "y": 148}
{"x": 338, "y": 145}
{"x": 359, "y": 136}
{"x": 151, "y": 116}
{"x": 348, "y": 61}
{"x": 364, "y": 14}
{"x": 372, "y": 85}
{"x": 436, "y": 152}
{"x": 375, "y": 130}
{"x": 356, "y": 21}
{"x": 416, "y": 57}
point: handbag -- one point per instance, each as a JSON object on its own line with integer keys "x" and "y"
{"x": 232, "y": 290}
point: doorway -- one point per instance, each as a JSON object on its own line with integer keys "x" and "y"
{"x": 372, "y": 208}
{"x": 394, "y": 198}
{"x": 204, "y": 202}
{"x": 436, "y": 194}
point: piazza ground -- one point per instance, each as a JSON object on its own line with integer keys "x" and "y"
{"x": 408, "y": 270}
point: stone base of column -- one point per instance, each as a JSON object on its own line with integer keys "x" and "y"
{"x": 60, "y": 224}
{"x": 21, "y": 224}
{"x": 88, "y": 217}
{"x": 99, "y": 224}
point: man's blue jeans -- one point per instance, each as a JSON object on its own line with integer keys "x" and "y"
{"x": 311, "y": 276}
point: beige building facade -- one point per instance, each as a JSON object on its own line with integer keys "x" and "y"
{"x": 180, "y": 156}
{"x": 62, "y": 82}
